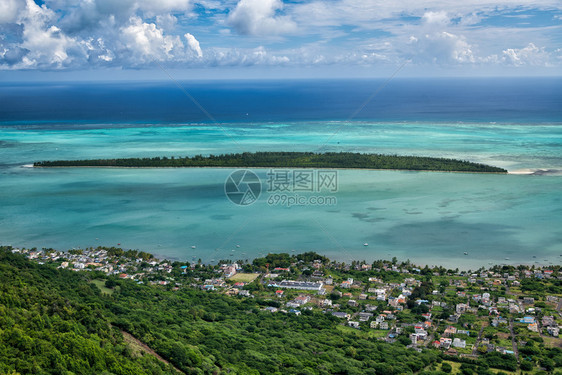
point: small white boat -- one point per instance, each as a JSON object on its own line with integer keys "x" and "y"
{"x": 365, "y": 244}
{"x": 237, "y": 245}
{"x": 193, "y": 247}
{"x": 465, "y": 253}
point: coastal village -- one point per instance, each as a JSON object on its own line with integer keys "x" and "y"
{"x": 503, "y": 309}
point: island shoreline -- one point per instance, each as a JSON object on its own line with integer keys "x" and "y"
{"x": 287, "y": 160}
{"x": 276, "y": 167}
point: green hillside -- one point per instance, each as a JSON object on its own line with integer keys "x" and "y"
{"x": 54, "y": 321}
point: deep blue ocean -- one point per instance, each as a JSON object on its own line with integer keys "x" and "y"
{"x": 505, "y": 100}
{"x": 430, "y": 218}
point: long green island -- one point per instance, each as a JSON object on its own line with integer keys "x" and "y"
{"x": 276, "y": 159}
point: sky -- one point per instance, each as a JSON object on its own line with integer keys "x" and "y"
{"x": 205, "y": 39}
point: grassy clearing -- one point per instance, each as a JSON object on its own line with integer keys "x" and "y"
{"x": 455, "y": 365}
{"x": 495, "y": 370}
{"x": 456, "y": 369}
{"x": 371, "y": 333}
{"x": 244, "y": 277}
{"x": 101, "y": 285}
{"x": 552, "y": 342}
{"x": 138, "y": 348}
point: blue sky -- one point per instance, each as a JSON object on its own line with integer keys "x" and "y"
{"x": 139, "y": 39}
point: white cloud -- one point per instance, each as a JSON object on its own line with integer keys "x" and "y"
{"x": 88, "y": 16}
{"x": 436, "y": 18}
{"x": 67, "y": 34}
{"x": 244, "y": 57}
{"x": 194, "y": 44}
{"x": 437, "y": 41}
{"x": 97, "y": 51}
{"x": 530, "y": 55}
{"x": 9, "y": 10}
{"x": 166, "y": 21}
{"x": 147, "y": 42}
{"x": 440, "y": 48}
{"x": 47, "y": 45}
{"x": 258, "y": 17}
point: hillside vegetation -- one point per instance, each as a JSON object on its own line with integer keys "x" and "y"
{"x": 53, "y": 321}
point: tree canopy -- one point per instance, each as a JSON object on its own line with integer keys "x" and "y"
{"x": 289, "y": 160}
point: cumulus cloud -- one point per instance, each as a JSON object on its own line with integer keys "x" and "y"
{"x": 246, "y": 57}
{"x": 530, "y": 55}
{"x": 194, "y": 44}
{"x": 436, "y": 43}
{"x": 147, "y": 42}
{"x": 440, "y": 48}
{"x": 92, "y": 33}
{"x": 44, "y": 42}
{"x": 259, "y": 17}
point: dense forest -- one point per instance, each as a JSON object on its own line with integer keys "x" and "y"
{"x": 289, "y": 160}
{"x": 52, "y": 321}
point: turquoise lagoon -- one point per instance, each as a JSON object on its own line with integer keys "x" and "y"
{"x": 427, "y": 217}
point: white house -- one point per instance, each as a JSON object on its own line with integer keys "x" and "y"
{"x": 458, "y": 343}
